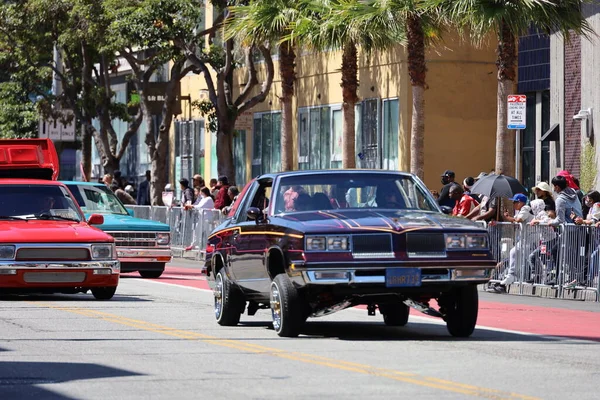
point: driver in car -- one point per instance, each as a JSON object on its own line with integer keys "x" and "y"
{"x": 387, "y": 197}
{"x": 47, "y": 204}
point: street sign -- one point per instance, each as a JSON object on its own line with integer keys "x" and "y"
{"x": 517, "y": 104}
{"x": 55, "y": 129}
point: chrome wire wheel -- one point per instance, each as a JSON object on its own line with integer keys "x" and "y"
{"x": 276, "y": 309}
{"x": 218, "y": 293}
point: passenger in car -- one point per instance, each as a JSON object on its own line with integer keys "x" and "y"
{"x": 303, "y": 202}
{"x": 320, "y": 201}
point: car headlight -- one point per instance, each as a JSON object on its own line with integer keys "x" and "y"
{"x": 458, "y": 241}
{"x": 337, "y": 243}
{"x": 315, "y": 243}
{"x": 477, "y": 242}
{"x": 163, "y": 238}
{"x": 7, "y": 252}
{"x": 103, "y": 251}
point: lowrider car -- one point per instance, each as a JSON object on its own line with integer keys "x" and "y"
{"x": 142, "y": 245}
{"x": 46, "y": 244}
{"x": 309, "y": 243}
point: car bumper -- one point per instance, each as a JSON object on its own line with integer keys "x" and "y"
{"x": 141, "y": 255}
{"x": 17, "y": 275}
{"x": 376, "y": 277}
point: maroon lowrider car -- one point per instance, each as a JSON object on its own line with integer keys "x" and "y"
{"x": 309, "y": 243}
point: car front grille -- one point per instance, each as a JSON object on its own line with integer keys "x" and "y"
{"x": 134, "y": 239}
{"x": 378, "y": 245}
{"x": 52, "y": 254}
{"x": 425, "y": 245}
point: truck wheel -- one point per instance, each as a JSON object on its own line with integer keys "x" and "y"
{"x": 287, "y": 307}
{"x": 104, "y": 293}
{"x": 152, "y": 274}
{"x": 461, "y": 311}
{"x": 395, "y": 314}
{"x": 229, "y": 300}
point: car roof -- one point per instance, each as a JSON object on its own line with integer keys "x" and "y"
{"x": 83, "y": 183}
{"x": 332, "y": 171}
{"x": 34, "y": 182}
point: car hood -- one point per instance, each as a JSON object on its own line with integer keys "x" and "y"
{"x": 118, "y": 222}
{"x": 36, "y": 231}
{"x": 383, "y": 220}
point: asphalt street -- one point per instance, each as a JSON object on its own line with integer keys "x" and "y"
{"x": 159, "y": 340}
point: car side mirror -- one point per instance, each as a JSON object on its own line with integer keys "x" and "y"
{"x": 446, "y": 209}
{"x": 96, "y": 219}
{"x": 254, "y": 213}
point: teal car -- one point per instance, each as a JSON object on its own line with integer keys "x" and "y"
{"x": 142, "y": 245}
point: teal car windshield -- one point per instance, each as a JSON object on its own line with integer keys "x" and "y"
{"x": 97, "y": 199}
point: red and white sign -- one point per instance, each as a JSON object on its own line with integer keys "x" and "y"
{"x": 516, "y": 109}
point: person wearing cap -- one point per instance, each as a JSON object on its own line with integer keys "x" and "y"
{"x": 187, "y": 194}
{"x": 568, "y": 206}
{"x": 222, "y": 200}
{"x": 523, "y": 213}
{"x": 447, "y": 181}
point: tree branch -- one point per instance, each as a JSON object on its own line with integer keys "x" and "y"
{"x": 266, "y": 86}
{"x": 131, "y": 130}
{"x": 252, "y": 79}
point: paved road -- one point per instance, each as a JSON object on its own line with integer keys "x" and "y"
{"x": 157, "y": 339}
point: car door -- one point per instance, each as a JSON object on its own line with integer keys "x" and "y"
{"x": 249, "y": 243}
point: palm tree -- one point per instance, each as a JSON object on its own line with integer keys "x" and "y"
{"x": 344, "y": 25}
{"x": 271, "y": 21}
{"x": 508, "y": 19}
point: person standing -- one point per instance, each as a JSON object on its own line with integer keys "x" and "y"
{"x": 143, "y": 194}
{"x": 464, "y": 203}
{"x": 222, "y": 199}
{"x": 447, "y": 181}
{"x": 187, "y": 194}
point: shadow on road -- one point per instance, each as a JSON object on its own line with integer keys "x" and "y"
{"x": 20, "y": 380}
{"x": 69, "y": 297}
{"x": 422, "y": 331}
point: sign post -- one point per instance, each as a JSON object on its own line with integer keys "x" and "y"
{"x": 517, "y": 115}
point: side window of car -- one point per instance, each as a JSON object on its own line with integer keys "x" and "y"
{"x": 261, "y": 195}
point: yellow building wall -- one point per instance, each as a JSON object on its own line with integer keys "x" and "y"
{"x": 460, "y": 103}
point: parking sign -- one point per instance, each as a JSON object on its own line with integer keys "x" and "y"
{"x": 517, "y": 104}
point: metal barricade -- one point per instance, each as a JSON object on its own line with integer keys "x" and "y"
{"x": 503, "y": 236}
{"x": 578, "y": 271}
{"x": 538, "y": 255}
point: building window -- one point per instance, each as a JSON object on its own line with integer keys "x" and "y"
{"x": 390, "y": 134}
{"x": 529, "y": 142}
{"x": 239, "y": 157}
{"x": 266, "y": 155}
{"x": 545, "y": 172}
{"x": 189, "y": 149}
{"x": 320, "y": 137}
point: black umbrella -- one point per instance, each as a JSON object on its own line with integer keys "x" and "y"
{"x": 498, "y": 186}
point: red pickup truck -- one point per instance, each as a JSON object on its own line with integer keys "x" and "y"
{"x": 46, "y": 244}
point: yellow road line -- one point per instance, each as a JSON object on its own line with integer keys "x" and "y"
{"x": 406, "y": 377}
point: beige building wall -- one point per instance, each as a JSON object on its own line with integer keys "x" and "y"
{"x": 460, "y": 102}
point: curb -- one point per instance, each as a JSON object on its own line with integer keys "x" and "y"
{"x": 549, "y": 292}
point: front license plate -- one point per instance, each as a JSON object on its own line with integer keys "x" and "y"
{"x": 403, "y": 277}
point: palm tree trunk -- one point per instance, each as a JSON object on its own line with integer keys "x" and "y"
{"x": 417, "y": 70}
{"x": 287, "y": 65}
{"x": 350, "y": 98}
{"x": 506, "y": 63}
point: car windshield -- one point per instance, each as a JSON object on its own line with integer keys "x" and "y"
{"x": 331, "y": 190}
{"x": 38, "y": 202}
{"x": 97, "y": 199}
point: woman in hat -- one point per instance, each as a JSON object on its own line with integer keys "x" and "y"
{"x": 543, "y": 191}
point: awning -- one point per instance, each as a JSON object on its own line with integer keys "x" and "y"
{"x": 552, "y": 134}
